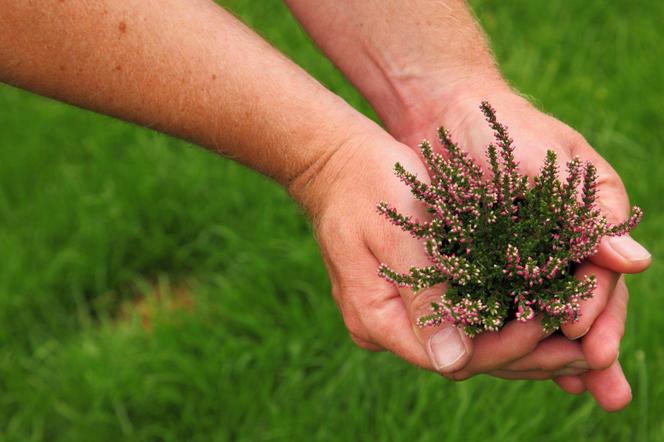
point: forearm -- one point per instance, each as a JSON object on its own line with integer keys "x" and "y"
{"x": 185, "y": 68}
{"x": 401, "y": 55}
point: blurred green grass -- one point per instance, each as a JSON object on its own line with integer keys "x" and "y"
{"x": 96, "y": 214}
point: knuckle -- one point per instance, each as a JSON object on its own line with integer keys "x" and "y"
{"x": 609, "y": 181}
{"x": 419, "y": 304}
{"x": 575, "y": 139}
{"x": 391, "y": 239}
{"x": 607, "y": 358}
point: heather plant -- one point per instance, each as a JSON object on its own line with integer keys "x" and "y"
{"x": 502, "y": 247}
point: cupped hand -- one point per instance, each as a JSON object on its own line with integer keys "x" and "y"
{"x": 341, "y": 197}
{"x": 601, "y": 324}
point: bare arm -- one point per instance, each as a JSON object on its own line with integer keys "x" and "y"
{"x": 189, "y": 69}
{"x": 402, "y": 55}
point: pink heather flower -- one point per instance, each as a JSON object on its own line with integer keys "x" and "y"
{"x": 504, "y": 249}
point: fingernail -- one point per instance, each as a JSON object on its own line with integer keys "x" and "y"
{"x": 629, "y": 249}
{"x": 446, "y": 347}
{"x": 579, "y": 364}
{"x": 581, "y": 335}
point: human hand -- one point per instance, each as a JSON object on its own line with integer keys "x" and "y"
{"x": 601, "y": 324}
{"x": 430, "y": 64}
{"x": 341, "y": 197}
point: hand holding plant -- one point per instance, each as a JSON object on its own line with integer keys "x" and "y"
{"x": 504, "y": 249}
{"x": 379, "y": 316}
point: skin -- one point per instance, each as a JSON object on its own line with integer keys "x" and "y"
{"x": 191, "y": 70}
{"x": 426, "y": 63}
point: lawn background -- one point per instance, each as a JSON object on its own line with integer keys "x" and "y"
{"x": 152, "y": 291}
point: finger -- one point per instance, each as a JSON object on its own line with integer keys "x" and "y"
{"x": 448, "y": 347}
{"x": 552, "y": 354}
{"x": 591, "y": 308}
{"x": 602, "y": 342}
{"x": 570, "y": 384}
{"x": 620, "y": 253}
{"x": 390, "y": 327}
{"x": 609, "y": 387}
{"x": 536, "y": 375}
{"x": 492, "y": 350}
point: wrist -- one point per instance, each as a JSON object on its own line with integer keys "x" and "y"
{"x": 443, "y": 99}
{"x": 339, "y": 148}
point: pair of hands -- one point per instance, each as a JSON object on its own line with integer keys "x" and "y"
{"x": 383, "y": 48}
{"x": 354, "y": 240}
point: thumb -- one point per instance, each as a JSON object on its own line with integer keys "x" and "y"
{"x": 448, "y": 347}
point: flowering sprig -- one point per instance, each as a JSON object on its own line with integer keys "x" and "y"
{"x": 504, "y": 249}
